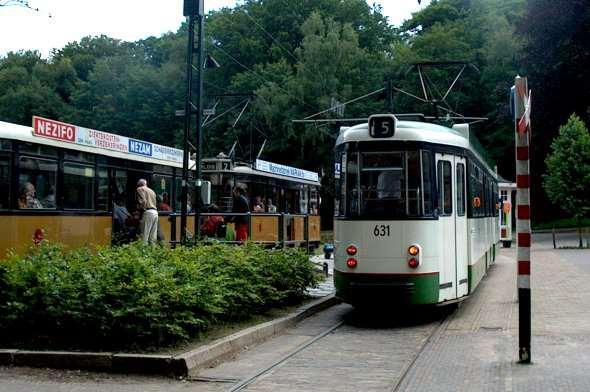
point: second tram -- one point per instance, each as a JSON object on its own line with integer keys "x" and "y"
{"x": 76, "y": 186}
{"x": 416, "y": 218}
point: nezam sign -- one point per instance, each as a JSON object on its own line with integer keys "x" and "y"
{"x": 56, "y": 130}
{"x": 283, "y": 170}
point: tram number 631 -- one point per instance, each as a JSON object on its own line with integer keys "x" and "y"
{"x": 381, "y": 231}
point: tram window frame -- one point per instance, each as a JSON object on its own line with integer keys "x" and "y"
{"x": 35, "y": 149}
{"x": 460, "y": 186}
{"x": 103, "y": 202}
{"x": 6, "y": 182}
{"x": 90, "y": 173}
{"x": 444, "y": 173}
{"x": 426, "y": 163}
{"x": 78, "y": 156}
{"x": 6, "y": 145}
{"x": 411, "y": 177}
{"x": 352, "y": 178}
{"x": 53, "y": 184}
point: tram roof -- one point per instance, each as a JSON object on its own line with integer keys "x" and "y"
{"x": 415, "y": 131}
{"x": 25, "y": 134}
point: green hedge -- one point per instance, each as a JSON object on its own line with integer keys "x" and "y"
{"x": 139, "y": 296}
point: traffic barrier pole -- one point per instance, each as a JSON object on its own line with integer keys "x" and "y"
{"x": 522, "y": 103}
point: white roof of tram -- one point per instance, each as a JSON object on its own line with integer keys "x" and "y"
{"x": 414, "y": 131}
{"x": 408, "y": 131}
{"x": 22, "y": 133}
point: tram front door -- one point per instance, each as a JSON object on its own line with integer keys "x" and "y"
{"x": 446, "y": 217}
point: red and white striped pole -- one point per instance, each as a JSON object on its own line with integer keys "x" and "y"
{"x": 522, "y": 110}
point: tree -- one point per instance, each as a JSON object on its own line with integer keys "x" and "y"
{"x": 567, "y": 181}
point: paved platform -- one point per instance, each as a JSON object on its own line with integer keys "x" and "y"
{"x": 478, "y": 349}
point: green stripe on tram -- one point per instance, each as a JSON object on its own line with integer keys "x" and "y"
{"x": 387, "y": 289}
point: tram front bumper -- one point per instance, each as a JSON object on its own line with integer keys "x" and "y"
{"x": 387, "y": 289}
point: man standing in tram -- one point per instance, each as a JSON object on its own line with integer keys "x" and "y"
{"x": 146, "y": 204}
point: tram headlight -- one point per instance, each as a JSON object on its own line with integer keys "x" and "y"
{"x": 351, "y": 262}
{"x": 413, "y": 250}
{"x": 351, "y": 250}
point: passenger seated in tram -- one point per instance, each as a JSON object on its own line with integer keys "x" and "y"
{"x": 49, "y": 201}
{"x": 270, "y": 208}
{"x": 28, "y": 197}
{"x": 258, "y": 205}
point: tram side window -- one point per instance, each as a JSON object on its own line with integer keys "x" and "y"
{"x": 426, "y": 182}
{"x": 37, "y": 179}
{"x": 162, "y": 186}
{"x": 78, "y": 187}
{"x": 5, "y": 183}
{"x": 460, "y": 189}
{"x": 38, "y": 149}
{"x": 476, "y": 188}
{"x": 445, "y": 188}
{"x": 350, "y": 193}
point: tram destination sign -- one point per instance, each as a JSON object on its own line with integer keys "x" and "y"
{"x": 51, "y": 129}
{"x": 283, "y": 170}
{"x": 382, "y": 125}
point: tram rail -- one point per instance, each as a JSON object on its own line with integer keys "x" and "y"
{"x": 397, "y": 383}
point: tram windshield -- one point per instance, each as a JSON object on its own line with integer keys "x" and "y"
{"x": 388, "y": 185}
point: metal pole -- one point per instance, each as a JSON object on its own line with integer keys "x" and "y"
{"x": 187, "y": 126}
{"x": 199, "y": 105}
{"x": 523, "y": 217}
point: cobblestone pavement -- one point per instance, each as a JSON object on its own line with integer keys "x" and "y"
{"x": 478, "y": 350}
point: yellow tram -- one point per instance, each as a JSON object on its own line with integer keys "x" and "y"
{"x": 76, "y": 186}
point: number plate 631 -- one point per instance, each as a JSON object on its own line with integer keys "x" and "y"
{"x": 381, "y": 231}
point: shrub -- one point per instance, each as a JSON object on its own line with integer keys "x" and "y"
{"x": 136, "y": 295}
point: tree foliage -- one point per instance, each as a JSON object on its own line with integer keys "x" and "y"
{"x": 567, "y": 181}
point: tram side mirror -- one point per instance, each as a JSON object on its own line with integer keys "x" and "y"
{"x": 382, "y": 125}
{"x": 206, "y": 192}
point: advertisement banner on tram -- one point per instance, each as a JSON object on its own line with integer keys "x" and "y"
{"x": 57, "y": 130}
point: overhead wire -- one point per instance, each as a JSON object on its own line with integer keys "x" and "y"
{"x": 345, "y": 103}
{"x": 271, "y": 36}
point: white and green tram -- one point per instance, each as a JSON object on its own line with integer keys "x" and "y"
{"x": 416, "y": 219}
